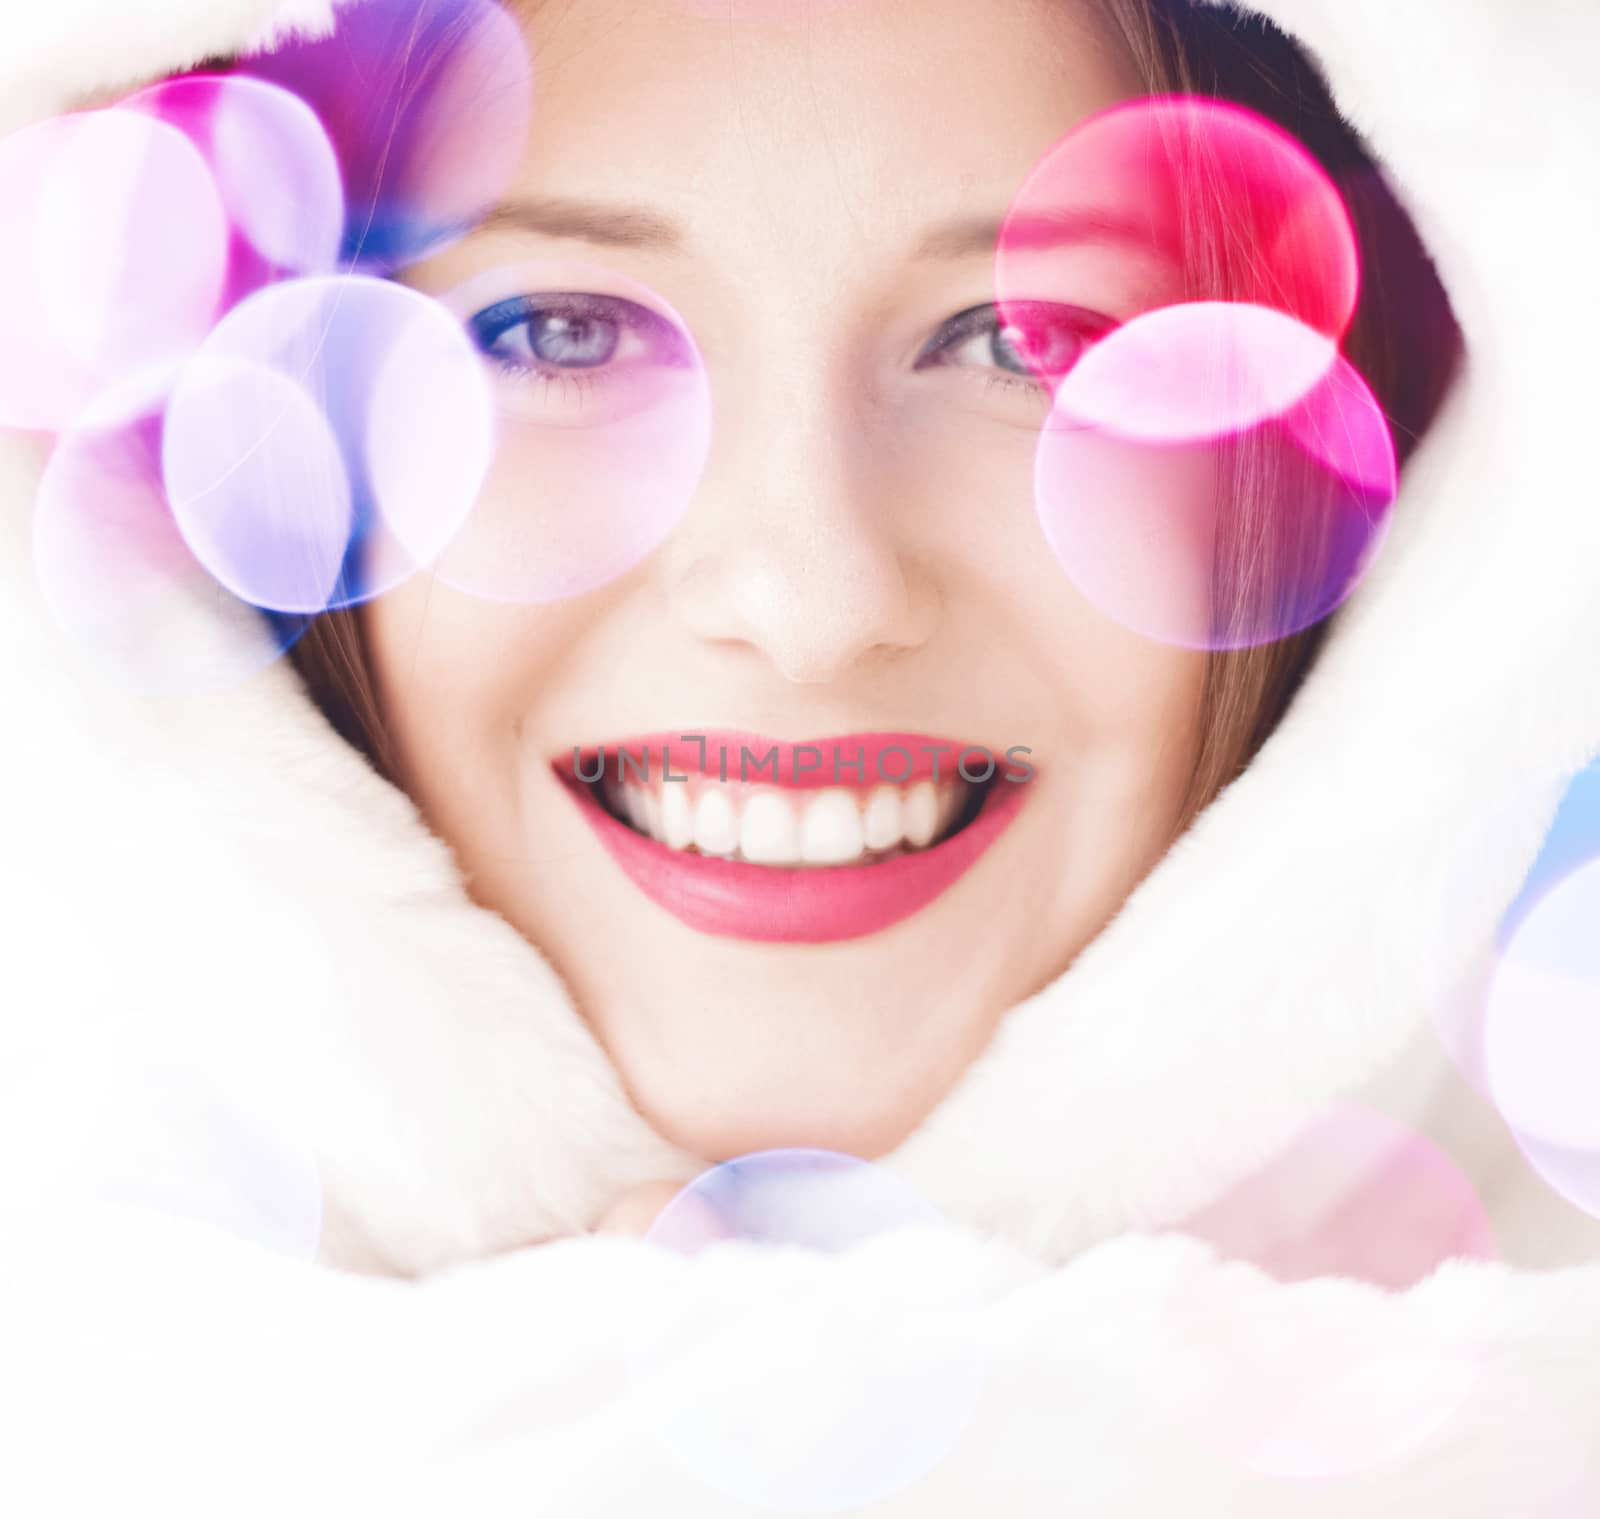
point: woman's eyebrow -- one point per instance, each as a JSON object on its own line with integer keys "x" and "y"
{"x": 628, "y": 226}
{"x": 613, "y": 226}
{"x": 966, "y": 236}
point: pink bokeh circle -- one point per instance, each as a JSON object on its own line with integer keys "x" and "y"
{"x": 1356, "y": 1194}
{"x": 1283, "y": 1387}
{"x": 1309, "y": 1383}
{"x": 1224, "y": 541}
{"x": 113, "y": 263}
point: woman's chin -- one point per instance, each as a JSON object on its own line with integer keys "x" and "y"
{"x": 727, "y": 1047}
{"x": 750, "y": 1006}
{"x": 726, "y": 1110}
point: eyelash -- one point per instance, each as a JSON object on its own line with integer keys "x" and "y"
{"x": 490, "y": 325}
{"x": 572, "y": 384}
{"x": 1015, "y": 383}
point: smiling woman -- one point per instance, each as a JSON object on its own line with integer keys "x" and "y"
{"x": 805, "y": 252}
{"x": 914, "y": 602}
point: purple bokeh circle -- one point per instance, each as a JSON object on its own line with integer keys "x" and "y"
{"x": 328, "y": 439}
{"x": 427, "y": 104}
{"x": 116, "y": 572}
{"x": 1541, "y": 1031}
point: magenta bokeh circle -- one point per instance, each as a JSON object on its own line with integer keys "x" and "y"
{"x": 1213, "y": 473}
{"x": 1198, "y": 200}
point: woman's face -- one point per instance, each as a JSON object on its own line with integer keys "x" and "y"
{"x": 813, "y": 188}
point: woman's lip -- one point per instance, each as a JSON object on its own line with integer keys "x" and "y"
{"x": 854, "y": 759}
{"x": 801, "y": 905}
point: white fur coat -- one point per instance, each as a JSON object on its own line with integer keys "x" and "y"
{"x": 226, "y": 872}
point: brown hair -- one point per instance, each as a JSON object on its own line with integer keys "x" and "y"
{"x": 1403, "y": 340}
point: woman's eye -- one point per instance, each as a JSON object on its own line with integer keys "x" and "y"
{"x": 561, "y": 333}
{"x": 569, "y": 342}
{"x": 1036, "y": 340}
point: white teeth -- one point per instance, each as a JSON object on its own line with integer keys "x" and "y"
{"x": 881, "y": 827}
{"x": 830, "y": 833}
{"x": 677, "y": 816}
{"x": 650, "y": 813}
{"x": 768, "y": 825}
{"x": 768, "y": 831}
{"x": 952, "y": 803}
{"x": 716, "y": 824}
{"x": 632, "y": 800}
{"x": 921, "y": 813}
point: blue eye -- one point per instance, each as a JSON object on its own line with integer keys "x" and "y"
{"x": 573, "y": 342}
{"x": 563, "y": 332}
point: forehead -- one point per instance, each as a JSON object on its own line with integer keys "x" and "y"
{"x": 772, "y": 124}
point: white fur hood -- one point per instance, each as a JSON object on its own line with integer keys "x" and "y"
{"x": 231, "y": 864}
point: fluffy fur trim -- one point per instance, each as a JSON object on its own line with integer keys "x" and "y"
{"x": 225, "y": 873}
{"x": 234, "y": 855}
{"x": 1144, "y": 1378}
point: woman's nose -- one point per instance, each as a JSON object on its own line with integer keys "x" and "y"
{"x": 795, "y": 544}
